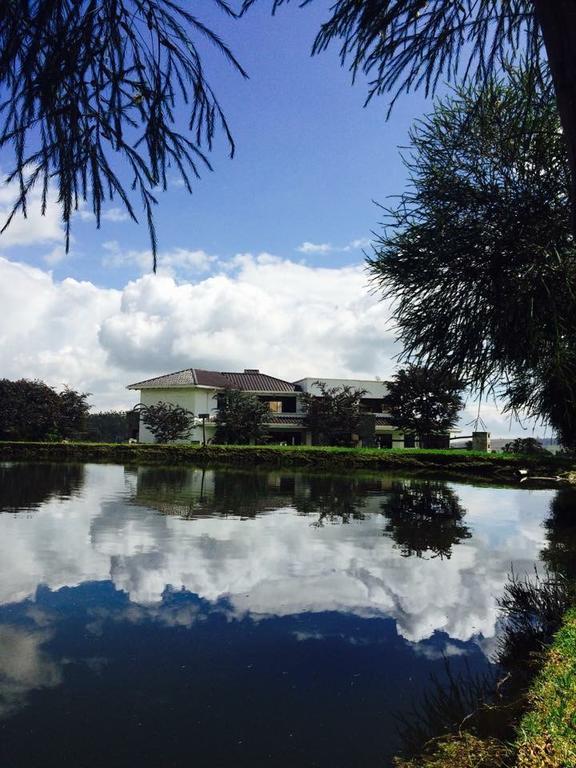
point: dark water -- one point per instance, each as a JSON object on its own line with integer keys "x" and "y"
{"x": 153, "y": 617}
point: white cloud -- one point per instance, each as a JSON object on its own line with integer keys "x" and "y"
{"x": 290, "y": 320}
{"x": 50, "y": 330}
{"x": 24, "y": 667}
{"x": 55, "y": 256}
{"x": 316, "y": 248}
{"x": 307, "y": 247}
{"x": 115, "y": 214}
{"x": 357, "y": 245}
{"x": 33, "y": 229}
{"x": 178, "y": 261}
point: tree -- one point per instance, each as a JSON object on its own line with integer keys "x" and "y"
{"x": 31, "y": 410}
{"x": 401, "y": 46}
{"x": 108, "y": 427}
{"x": 166, "y": 421}
{"x": 73, "y": 413}
{"x": 424, "y": 401}
{"x": 478, "y": 253}
{"x": 84, "y": 82}
{"x": 334, "y": 415}
{"x": 240, "y": 418}
{"x": 525, "y": 445}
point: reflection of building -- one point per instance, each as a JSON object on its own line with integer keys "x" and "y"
{"x": 194, "y": 493}
{"x": 197, "y": 390}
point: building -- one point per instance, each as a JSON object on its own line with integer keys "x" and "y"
{"x": 197, "y": 390}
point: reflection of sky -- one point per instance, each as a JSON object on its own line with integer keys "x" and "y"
{"x": 275, "y": 564}
{"x": 109, "y": 682}
{"x": 266, "y": 640}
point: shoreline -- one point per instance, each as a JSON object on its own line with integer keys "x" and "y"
{"x": 487, "y": 465}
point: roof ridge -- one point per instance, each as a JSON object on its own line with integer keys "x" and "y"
{"x": 162, "y": 376}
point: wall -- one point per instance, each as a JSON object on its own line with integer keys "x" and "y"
{"x": 198, "y": 400}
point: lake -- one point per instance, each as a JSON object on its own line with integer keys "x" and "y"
{"x": 158, "y": 617}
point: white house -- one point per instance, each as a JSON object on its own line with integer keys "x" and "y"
{"x": 197, "y": 390}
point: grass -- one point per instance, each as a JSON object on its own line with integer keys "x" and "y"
{"x": 321, "y": 457}
{"x": 462, "y": 751}
{"x": 547, "y": 733}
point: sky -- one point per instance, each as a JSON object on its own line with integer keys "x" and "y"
{"x": 261, "y": 267}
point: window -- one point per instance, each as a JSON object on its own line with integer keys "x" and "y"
{"x": 275, "y": 406}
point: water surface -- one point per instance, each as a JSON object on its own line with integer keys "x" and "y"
{"x": 177, "y": 617}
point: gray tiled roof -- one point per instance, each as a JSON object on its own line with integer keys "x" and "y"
{"x": 258, "y": 382}
{"x": 251, "y": 381}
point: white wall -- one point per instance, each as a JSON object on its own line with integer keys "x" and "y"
{"x": 195, "y": 399}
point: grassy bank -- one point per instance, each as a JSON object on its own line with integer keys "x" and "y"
{"x": 546, "y": 734}
{"x": 470, "y": 462}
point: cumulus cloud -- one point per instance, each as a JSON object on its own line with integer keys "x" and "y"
{"x": 176, "y": 262}
{"x": 50, "y": 330}
{"x": 289, "y": 319}
{"x": 35, "y": 228}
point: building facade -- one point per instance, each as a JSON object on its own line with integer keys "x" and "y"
{"x": 197, "y": 390}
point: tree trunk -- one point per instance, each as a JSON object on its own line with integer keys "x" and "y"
{"x": 557, "y": 20}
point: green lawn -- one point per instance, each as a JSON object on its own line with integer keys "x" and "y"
{"x": 547, "y": 733}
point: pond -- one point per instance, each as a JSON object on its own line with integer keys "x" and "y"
{"x": 159, "y": 617}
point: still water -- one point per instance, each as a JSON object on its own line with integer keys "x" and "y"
{"x": 186, "y": 617}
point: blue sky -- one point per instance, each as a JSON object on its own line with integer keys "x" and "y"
{"x": 261, "y": 267}
{"x": 310, "y": 160}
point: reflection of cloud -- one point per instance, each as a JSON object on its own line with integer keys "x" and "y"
{"x": 432, "y": 653}
{"x": 24, "y": 667}
{"x": 276, "y": 564}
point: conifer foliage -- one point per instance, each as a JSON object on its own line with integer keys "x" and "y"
{"x": 83, "y": 84}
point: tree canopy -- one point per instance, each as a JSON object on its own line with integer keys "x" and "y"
{"x": 333, "y": 416}
{"x": 424, "y": 401}
{"x": 84, "y": 83}
{"x": 524, "y": 445}
{"x": 478, "y": 252}
{"x": 31, "y": 410}
{"x": 166, "y": 421}
{"x": 240, "y": 418}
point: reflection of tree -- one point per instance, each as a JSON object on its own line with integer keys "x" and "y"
{"x": 424, "y": 516}
{"x": 560, "y": 553}
{"x": 336, "y": 498}
{"x": 26, "y": 486}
